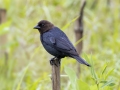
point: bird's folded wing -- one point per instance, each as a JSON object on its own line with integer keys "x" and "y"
{"x": 62, "y": 44}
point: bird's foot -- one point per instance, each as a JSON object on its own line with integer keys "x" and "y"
{"x": 52, "y": 61}
{"x": 55, "y": 61}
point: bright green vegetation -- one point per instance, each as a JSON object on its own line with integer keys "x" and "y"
{"x": 28, "y": 68}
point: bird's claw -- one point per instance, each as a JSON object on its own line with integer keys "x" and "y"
{"x": 54, "y": 62}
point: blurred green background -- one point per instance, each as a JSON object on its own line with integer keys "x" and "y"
{"x": 26, "y": 64}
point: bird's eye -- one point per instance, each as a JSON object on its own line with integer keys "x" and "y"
{"x": 42, "y": 25}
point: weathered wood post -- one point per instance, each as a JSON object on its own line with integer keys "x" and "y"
{"x": 56, "y": 75}
{"x": 3, "y": 38}
{"x": 79, "y": 31}
{"x": 2, "y": 15}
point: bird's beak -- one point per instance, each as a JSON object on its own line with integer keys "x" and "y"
{"x": 36, "y": 27}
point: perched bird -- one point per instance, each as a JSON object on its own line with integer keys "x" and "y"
{"x": 56, "y": 42}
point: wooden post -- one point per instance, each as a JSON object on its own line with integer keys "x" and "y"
{"x": 108, "y": 5}
{"x": 3, "y": 38}
{"x": 2, "y": 15}
{"x": 108, "y": 2}
{"x": 56, "y": 75}
{"x": 79, "y": 31}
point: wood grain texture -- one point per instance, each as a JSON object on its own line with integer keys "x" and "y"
{"x": 56, "y": 75}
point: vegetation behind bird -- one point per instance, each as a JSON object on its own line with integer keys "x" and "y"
{"x": 28, "y": 67}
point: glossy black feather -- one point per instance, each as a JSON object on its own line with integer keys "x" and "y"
{"x": 57, "y": 43}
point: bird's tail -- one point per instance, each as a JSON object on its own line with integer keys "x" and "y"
{"x": 80, "y": 60}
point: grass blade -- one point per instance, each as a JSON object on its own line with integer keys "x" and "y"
{"x": 68, "y": 24}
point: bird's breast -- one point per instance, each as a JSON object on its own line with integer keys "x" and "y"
{"x": 50, "y": 49}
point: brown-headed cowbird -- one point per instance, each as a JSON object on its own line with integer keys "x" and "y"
{"x": 56, "y": 42}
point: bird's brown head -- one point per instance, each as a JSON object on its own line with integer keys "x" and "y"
{"x": 44, "y": 26}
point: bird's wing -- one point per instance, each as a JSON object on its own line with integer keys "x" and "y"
{"x": 63, "y": 44}
{"x": 58, "y": 40}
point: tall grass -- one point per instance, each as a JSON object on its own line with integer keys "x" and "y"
{"x": 101, "y": 45}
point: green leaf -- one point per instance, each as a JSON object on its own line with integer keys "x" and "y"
{"x": 86, "y": 57}
{"x": 93, "y": 71}
{"x": 94, "y": 74}
{"x": 107, "y": 83}
{"x": 79, "y": 41}
{"x": 25, "y": 70}
{"x": 72, "y": 76}
{"x": 103, "y": 81}
{"x": 4, "y": 27}
{"x": 109, "y": 73}
{"x": 93, "y": 87}
{"x": 68, "y": 24}
{"x": 82, "y": 85}
{"x": 104, "y": 68}
{"x": 112, "y": 84}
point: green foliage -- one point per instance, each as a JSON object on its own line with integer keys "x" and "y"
{"x": 71, "y": 74}
{"x": 100, "y": 82}
{"x": 68, "y": 24}
{"x": 4, "y": 28}
{"x": 27, "y": 65}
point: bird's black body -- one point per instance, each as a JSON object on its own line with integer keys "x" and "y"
{"x": 57, "y": 43}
